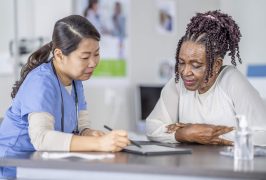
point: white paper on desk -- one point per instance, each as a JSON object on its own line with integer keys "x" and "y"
{"x": 60, "y": 155}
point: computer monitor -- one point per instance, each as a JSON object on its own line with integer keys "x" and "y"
{"x": 146, "y": 99}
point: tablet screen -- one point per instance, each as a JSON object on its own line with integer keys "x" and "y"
{"x": 155, "y": 150}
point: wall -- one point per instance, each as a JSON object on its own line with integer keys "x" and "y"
{"x": 35, "y": 18}
{"x": 47, "y": 12}
{"x": 6, "y": 30}
{"x": 250, "y": 16}
{"x": 148, "y": 47}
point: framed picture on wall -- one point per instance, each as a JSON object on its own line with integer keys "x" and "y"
{"x": 110, "y": 18}
{"x": 166, "y": 16}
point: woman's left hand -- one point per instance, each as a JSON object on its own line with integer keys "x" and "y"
{"x": 91, "y": 132}
{"x": 203, "y": 134}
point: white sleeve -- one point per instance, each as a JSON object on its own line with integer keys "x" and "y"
{"x": 43, "y": 136}
{"x": 248, "y": 102}
{"x": 83, "y": 121}
{"x": 163, "y": 114}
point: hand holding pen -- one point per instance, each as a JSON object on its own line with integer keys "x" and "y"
{"x": 131, "y": 141}
{"x": 114, "y": 141}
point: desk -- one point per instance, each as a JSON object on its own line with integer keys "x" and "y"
{"x": 205, "y": 162}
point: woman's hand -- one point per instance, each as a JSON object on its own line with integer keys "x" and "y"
{"x": 91, "y": 132}
{"x": 203, "y": 134}
{"x": 114, "y": 141}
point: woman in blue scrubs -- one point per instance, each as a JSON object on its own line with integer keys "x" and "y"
{"x": 48, "y": 111}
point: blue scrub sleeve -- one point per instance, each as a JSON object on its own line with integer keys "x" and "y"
{"x": 39, "y": 94}
{"x": 82, "y": 100}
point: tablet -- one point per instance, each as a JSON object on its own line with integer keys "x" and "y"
{"x": 156, "y": 150}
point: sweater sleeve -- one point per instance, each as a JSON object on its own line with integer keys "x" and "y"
{"x": 83, "y": 121}
{"x": 163, "y": 114}
{"x": 43, "y": 136}
{"x": 247, "y": 101}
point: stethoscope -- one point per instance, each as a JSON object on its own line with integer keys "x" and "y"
{"x": 75, "y": 131}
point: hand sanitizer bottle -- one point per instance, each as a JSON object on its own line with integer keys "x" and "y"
{"x": 243, "y": 145}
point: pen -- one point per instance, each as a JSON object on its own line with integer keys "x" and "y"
{"x": 133, "y": 142}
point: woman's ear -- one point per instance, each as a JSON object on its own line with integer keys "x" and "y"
{"x": 58, "y": 55}
{"x": 217, "y": 65}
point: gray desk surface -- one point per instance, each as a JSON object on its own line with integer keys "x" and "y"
{"x": 205, "y": 161}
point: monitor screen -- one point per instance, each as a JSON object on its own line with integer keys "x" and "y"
{"x": 149, "y": 96}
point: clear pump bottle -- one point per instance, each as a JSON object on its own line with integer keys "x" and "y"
{"x": 243, "y": 145}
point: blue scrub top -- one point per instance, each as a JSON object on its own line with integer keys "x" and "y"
{"x": 39, "y": 92}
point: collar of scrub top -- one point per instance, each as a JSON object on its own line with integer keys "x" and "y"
{"x": 76, "y": 131}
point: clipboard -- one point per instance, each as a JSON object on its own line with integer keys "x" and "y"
{"x": 156, "y": 150}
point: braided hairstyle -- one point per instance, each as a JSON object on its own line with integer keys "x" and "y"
{"x": 67, "y": 34}
{"x": 218, "y": 32}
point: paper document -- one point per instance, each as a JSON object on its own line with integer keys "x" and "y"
{"x": 59, "y": 155}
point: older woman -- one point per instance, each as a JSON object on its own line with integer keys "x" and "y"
{"x": 201, "y": 103}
